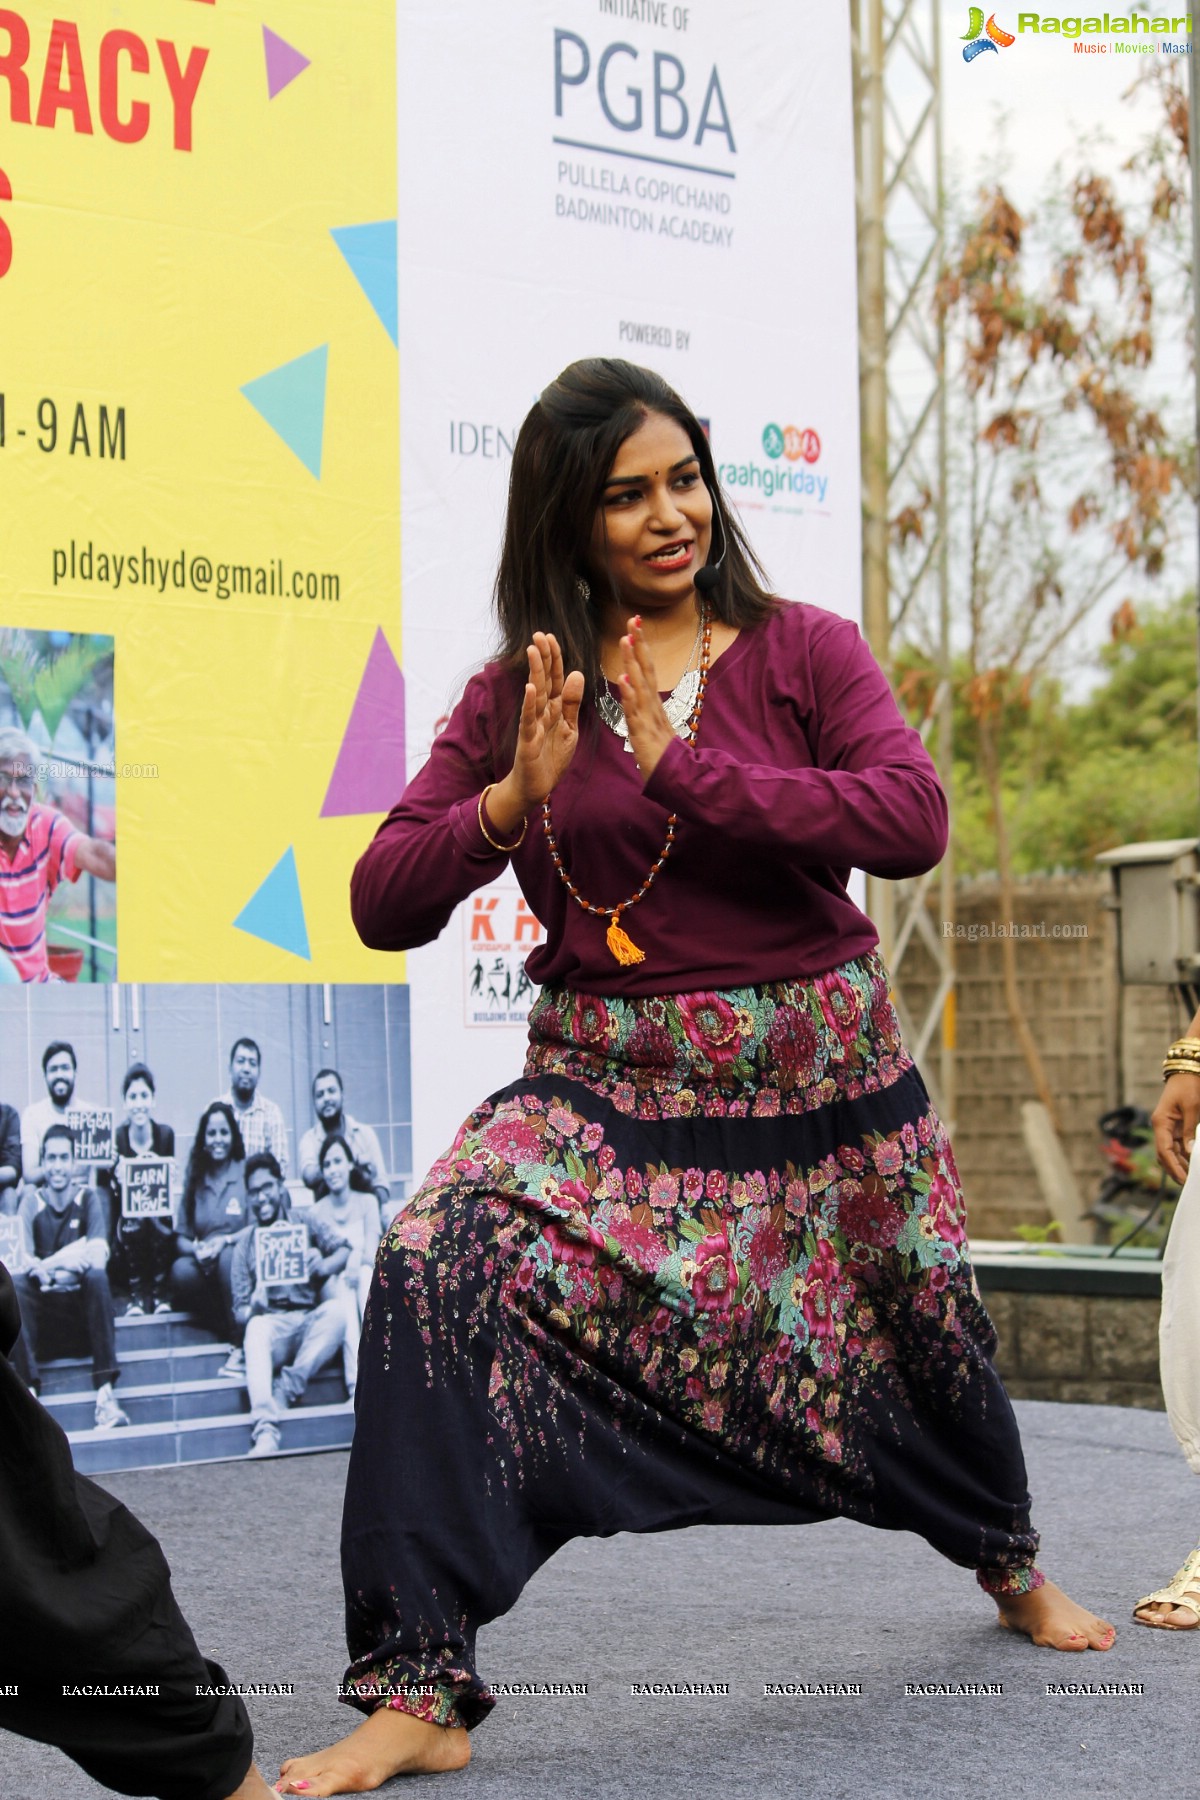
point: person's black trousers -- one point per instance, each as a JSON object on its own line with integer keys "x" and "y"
{"x": 168, "y": 1741}
{"x": 143, "y": 1250}
{"x": 86, "y": 1604}
{"x": 90, "y": 1305}
{"x": 206, "y": 1291}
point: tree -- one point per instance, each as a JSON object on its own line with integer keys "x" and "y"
{"x": 1081, "y": 777}
{"x": 1070, "y": 476}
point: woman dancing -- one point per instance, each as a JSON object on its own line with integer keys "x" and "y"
{"x": 704, "y": 1263}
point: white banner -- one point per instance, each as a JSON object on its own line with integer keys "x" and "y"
{"x": 671, "y": 184}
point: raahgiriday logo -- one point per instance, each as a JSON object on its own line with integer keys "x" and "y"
{"x": 975, "y": 42}
{"x": 790, "y": 441}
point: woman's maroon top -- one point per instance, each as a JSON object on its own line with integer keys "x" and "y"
{"x": 802, "y": 769}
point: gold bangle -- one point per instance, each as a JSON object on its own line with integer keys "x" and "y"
{"x": 1180, "y": 1066}
{"x": 1185, "y": 1046}
{"x": 505, "y": 849}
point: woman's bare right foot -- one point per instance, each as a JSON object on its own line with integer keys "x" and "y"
{"x": 1053, "y": 1619}
{"x": 388, "y": 1743}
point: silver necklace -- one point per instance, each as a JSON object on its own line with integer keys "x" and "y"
{"x": 678, "y": 704}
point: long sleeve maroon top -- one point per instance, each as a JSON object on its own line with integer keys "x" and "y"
{"x": 802, "y": 770}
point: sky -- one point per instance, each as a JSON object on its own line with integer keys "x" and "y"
{"x": 1049, "y": 96}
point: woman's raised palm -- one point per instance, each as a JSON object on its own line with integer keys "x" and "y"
{"x": 549, "y": 726}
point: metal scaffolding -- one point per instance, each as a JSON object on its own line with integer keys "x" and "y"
{"x": 898, "y": 147}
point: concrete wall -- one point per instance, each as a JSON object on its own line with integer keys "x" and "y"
{"x": 1086, "y": 1347}
{"x": 1101, "y": 1046}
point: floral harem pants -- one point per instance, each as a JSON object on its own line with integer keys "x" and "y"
{"x": 703, "y": 1264}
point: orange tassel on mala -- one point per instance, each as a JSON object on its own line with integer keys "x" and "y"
{"x": 621, "y": 945}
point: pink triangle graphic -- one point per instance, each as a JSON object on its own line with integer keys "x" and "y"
{"x": 284, "y": 62}
{"x": 368, "y": 776}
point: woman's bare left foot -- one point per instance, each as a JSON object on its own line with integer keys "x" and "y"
{"x": 1052, "y": 1618}
{"x": 388, "y": 1743}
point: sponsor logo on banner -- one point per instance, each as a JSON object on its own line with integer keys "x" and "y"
{"x": 790, "y": 441}
{"x": 644, "y": 135}
{"x": 788, "y": 476}
{"x": 488, "y": 442}
{"x": 499, "y": 932}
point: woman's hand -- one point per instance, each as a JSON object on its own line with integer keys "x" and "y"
{"x": 546, "y": 738}
{"x": 650, "y": 730}
{"x": 1174, "y": 1120}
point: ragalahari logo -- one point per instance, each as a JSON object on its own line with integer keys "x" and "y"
{"x": 790, "y": 441}
{"x": 976, "y": 42}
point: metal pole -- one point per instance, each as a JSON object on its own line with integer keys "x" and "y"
{"x": 898, "y": 164}
{"x": 1194, "y": 157}
{"x": 948, "y": 1062}
{"x": 872, "y": 305}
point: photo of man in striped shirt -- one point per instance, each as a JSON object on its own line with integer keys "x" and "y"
{"x": 39, "y": 847}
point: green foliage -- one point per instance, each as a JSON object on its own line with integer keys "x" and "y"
{"x": 1117, "y": 768}
{"x": 1042, "y": 1235}
{"x": 18, "y": 669}
{"x": 42, "y": 679}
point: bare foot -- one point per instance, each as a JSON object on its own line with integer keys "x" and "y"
{"x": 1050, "y": 1617}
{"x": 253, "y": 1788}
{"x": 388, "y": 1743}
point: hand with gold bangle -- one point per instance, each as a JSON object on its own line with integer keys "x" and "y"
{"x": 484, "y": 819}
{"x": 1177, "y": 1114}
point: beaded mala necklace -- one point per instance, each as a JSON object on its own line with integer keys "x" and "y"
{"x": 617, "y": 939}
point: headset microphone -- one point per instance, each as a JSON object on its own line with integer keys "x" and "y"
{"x": 707, "y": 579}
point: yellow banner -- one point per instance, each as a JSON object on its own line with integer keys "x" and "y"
{"x": 199, "y": 451}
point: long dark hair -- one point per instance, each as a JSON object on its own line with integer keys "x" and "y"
{"x": 564, "y": 452}
{"x": 199, "y": 1164}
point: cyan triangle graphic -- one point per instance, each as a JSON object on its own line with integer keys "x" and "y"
{"x": 291, "y": 399}
{"x": 276, "y": 912}
{"x": 371, "y": 252}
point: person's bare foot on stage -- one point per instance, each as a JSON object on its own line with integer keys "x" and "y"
{"x": 1052, "y": 1618}
{"x": 388, "y": 1743}
{"x": 253, "y": 1788}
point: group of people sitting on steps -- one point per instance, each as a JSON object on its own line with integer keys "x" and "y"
{"x": 76, "y": 1241}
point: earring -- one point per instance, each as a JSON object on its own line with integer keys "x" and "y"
{"x": 583, "y": 588}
